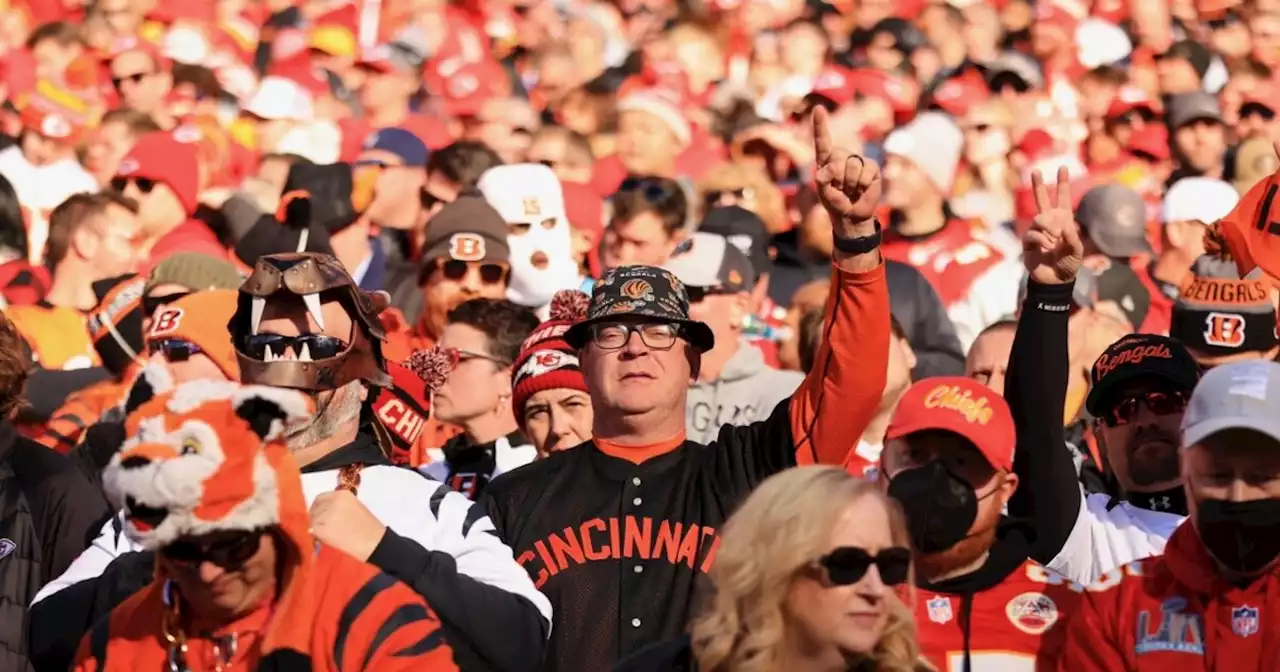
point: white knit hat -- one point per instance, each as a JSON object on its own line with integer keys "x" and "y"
{"x": 934, "y": 143}
{"x": 666, "y": 110}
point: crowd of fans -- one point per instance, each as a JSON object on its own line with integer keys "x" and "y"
{"x": 712, "y": 335}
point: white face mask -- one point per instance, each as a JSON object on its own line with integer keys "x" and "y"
{"x": 529, "y": 193}
{"x": 533, "y": 286}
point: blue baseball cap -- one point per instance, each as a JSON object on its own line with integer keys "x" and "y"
{"x": 398, "y": 142}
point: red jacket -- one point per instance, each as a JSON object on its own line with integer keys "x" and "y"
{"x": 191, "y": 236}
{"x": 1174, "y": 613}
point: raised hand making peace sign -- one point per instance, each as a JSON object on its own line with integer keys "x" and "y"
{"x": 1052, "y": 250}
{"x": 848, "y": 184}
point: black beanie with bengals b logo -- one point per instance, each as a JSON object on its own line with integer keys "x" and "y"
{"x": 1218, "y": 313}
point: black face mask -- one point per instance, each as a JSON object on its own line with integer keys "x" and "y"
{"x": 940, "y": 506}
{"x": 1173, "y": 500}
{"x": 1244, "y": 536}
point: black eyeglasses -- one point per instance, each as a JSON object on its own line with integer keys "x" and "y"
{"x": 272, "y": 347}
{"x": 654, "y": 189}
{"x": 150, "y": 304}
{"x": 848, "y": 564}
{"x": 229, "y": 553}
{"x": 455, "y": 270}
{"x": 1160, "y": 403}
{"x": 174, "y": 349}
{"x": 135, "y": 78}
{"x": 144, "y": 184}
{"x": 614, "y": 336}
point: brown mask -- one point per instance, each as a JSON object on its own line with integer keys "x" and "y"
{"x": 307, "y": 275}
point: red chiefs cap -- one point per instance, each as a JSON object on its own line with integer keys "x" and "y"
{"x": 960, "y": 406}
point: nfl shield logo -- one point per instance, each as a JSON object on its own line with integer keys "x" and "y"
{"x": 1244, "y": 620}
{"x": 940, "y": 609}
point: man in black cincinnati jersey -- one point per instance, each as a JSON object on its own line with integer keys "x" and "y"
{"x": 616, "y": 531}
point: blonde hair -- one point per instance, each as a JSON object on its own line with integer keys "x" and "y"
{"x": 769, "y": 205}
{"x": 781, "y": 528}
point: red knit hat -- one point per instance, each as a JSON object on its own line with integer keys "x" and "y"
{"x": 161, "y": 157}
{"x": 546, "y": 361}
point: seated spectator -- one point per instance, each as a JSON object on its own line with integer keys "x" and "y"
{"x": 566, "y": 152}
{"x": 92, "y": 237}
{"x": 483, "y": 337}
{"x": 188, "y": 339}
{"x": 242, "y": 551}
{"x": 734, "y": 385}
{"x": 1222, "y": 318}
{"x": 162, "y": 176}
{"x": 115, "y": 135}
{"x": 548, "y": 389}
{"x": 647, "y": 222}
{"x": 808, "y": 548}
{"x": 747, "y": 187}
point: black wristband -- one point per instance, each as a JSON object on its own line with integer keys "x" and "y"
{"x": 860, "y": 245}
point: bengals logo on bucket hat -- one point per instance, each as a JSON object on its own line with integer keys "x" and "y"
{"x": 646, "y": 292}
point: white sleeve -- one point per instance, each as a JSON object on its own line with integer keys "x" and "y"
{"x": 992, "y": 297}
{"x": 1109, "y": 534}
{"x": 465, "y": 531}
{"x": 110, "y": 544}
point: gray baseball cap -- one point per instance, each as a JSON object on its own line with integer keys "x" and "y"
{"x": 1240, "y": 395}
{"x": 1184, "y": 108}
{"x": 1115, "y": 219}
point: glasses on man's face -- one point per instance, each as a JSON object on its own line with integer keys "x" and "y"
{"x": 455, "y": 270}
{"x": 229, "y": 553}
{"x": 1137, "y": 114}
{"x": 307, "y": 347}
{"x": 174, "y": 349}
{"x": 655, "y": 336}
{"x": 135, "y": 79}
{"x": 1160, "y": 403}
{"x": 1255, "y": 110}
{"x": 459, "y": 356}
{"x": 848, "y": 564}
{"x": 144, "y": 184}
{"x": 713, "y": 198}
{"x": 654, "y": 190}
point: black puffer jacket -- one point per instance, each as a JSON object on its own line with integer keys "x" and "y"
{"x": 48, "y": 514}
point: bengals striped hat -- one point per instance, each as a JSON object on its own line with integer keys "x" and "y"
{"x": 1219, "y": 313}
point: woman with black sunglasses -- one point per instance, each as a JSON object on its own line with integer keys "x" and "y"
{"x": 807, "y": 578}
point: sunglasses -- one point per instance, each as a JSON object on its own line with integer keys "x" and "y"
{"x": 654, "y": 190}
{"x": 1255, "y": 110}
{"x": 430, "y": 200}
{"x": 1142, "y": 113}
{"x": 1160, "y": 403}
{"x": 144, "y": 184}
{"x": 848, "y": 564}
{"x": 697, "y": 294}
{"x": 272, "y": 347}
{"x": 229, "y": 553}
{"x": 150, "y": 304}
{"x": 174, "y": 349}
{"x": 455, "y": 270}
{"x": 713, "y": 197}
{"x": 135, "y": 78}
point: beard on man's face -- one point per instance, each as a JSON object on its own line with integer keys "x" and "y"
{"x": 1152, "y": 453}
{"x": 334, "y": 408}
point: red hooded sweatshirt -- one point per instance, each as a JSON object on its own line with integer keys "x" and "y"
{"x": 1174, "y": 612}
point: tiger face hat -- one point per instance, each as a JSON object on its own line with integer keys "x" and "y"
{"x": 208, "y": 456}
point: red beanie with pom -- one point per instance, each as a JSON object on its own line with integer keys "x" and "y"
{"x": 546, "y": 361}
{"x": 403, "y": 407}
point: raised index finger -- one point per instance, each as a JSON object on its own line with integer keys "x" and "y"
{"x": 1064, "y": 188}
{"x": 821, "y": 135}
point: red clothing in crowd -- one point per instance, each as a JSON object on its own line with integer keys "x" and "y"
{"x": 1174, "y": 612}
{"x": 192, "y": 236}
{"x": 952, "y": 258}
{"x": 1018, "y": 624}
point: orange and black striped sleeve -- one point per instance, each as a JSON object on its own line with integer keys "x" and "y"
{"x": 385, "y": 626}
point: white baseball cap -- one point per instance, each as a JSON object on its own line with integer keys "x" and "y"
{"x": 280, "y": 98}
{"x": 1201, "y": 198}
